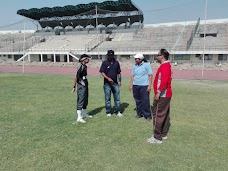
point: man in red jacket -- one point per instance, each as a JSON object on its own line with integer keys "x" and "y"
{"x": 162, "y": 98}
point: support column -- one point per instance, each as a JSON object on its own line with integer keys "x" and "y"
{"x": 68, "y": 58}
{"x": 54, "y": 58}
{"x": 29, "y": 58}
{"x": 41, "y": 58}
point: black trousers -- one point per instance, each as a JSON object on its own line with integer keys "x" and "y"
{"x": 142, "y": 100}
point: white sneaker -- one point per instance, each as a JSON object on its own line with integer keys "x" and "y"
{"x": 154, "y": 141}
{"x": 150, "y": 139}
{"x": 165, "y": 138}
{"x": 85, "y": 114}
{"x": 80, "y": 120}
{"x": 119, "y": 114}
{"x": 109, "y": 115}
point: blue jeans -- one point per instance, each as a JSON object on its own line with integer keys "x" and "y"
{"x": 116, "y": 95}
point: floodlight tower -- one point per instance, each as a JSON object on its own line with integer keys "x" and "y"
{"x": 204, "y": 41}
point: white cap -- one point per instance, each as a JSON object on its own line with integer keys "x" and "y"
{"x": 139, "y": 56}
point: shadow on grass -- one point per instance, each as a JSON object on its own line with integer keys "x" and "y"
{"x": 96, "y": 111}
{"x": 123, "y": 106}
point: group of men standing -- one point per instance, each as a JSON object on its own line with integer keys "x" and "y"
{"x": 141, "y": 85}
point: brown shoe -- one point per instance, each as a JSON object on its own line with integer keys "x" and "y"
{"x": 137, "y": 116}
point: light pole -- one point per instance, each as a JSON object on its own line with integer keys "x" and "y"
{"x": 204, "y": 40}
{"x": 23, "y": 68}
{"x": 97, "y": 31}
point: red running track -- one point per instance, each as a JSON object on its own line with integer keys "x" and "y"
{"x": 177, "y": 74}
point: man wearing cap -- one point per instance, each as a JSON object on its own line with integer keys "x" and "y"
{"x": 162, "y": 98}
{"x": 141, "y": 83}
{"x": 81, "y": 84}
{"x": 110, "y": 70}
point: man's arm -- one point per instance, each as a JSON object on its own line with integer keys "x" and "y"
{"x": 119, "y": 79}
{"x": 132, "y": 79}
{"x": 164, "y": 79}
{"x": 78, "y": 76}
{"x": 150, "y": 82}
{"x": 106, "y": 77}
{"x": 165, "y": 75}
{"x": 74, "y": 85}
{"x": 150, "y": 77}
{"x": 102, "y": 71}
{"x": 131, "y": 83}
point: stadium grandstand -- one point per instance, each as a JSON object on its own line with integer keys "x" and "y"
{"x": 93, "y": 28}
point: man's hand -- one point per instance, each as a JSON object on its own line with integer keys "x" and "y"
{"x": 130, "y": 87}
{"x": 73, "y": 90}
{"x": 119, "y": 84}
{"x": 110, "y": 80}
{"x": 148, "y": 88}
{"x": 157, "y": 96}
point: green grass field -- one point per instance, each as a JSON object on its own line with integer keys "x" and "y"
{"x": 36, "y": 130}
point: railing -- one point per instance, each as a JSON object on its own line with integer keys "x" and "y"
{"x": 18, "y": 45}
{"x": 133, "y": 49}
{"x": 75, "y": 51}
{"x": 209, "y": 48}
{"x": 95, "y": 42}
{"x": 189, "y": 43}
{"x": 156, "y": 49}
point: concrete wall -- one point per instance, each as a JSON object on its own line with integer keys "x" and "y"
{"x": 211, "y": 58}
{"x": 34, "y": 57}
{"x": 7, "y": 57}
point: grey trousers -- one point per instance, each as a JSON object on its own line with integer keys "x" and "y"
{"x": 83, "y": 94}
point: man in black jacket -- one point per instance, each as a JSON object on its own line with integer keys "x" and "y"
{"x": 81, "y": 85}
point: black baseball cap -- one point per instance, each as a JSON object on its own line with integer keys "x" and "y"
{"x": 110, "y": 53}
{"x": 83, "y": 57}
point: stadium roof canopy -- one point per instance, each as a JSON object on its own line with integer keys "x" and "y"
{"x": 107, "y": 12}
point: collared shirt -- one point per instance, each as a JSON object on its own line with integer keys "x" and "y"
{"x": 141, "y": 73}
{"x": 111, "y": 70}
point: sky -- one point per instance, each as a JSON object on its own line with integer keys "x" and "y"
{"x": 155, "y": 11}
